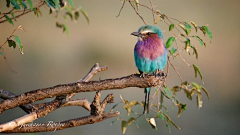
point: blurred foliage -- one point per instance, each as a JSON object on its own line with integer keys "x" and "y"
{"x": 21, "y": 7}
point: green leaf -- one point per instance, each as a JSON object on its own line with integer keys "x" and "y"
{"x": 194, "y": 25}
{"x": 128, "y": 106}
{"x": 137, "y": 3}
{"x": 188, "y": 94}
{"x": 30, "y": 4}
{"x": 185, "y": 83}
{"x": 131, "y": 120}
{"x": 85, "y": 15}
{"x": 197, "y": 71}
{"x": 131, "y": 104}
{"x": 195, "y": 51}
{"x": 168, "y": 126}
{"x": 171, "y": 26}
{"x": 169, "y": 42}
{"x": 166, "y": 89}
{"x": 23, "y": 4}
{"x": 13, "y": 16}
{"x": 71, "y": 3}
{"x": 187, "y": 28}
{"x": 170, "y": 120}
{"x": 69, "y": 9}
{"x": 35, "y": 11}
{"x": 173, "y": 50}
{"x": 8, "y": 19}
{"x": 124, "y": 126}
{"x": 76, "y": 15}
{"x": 11, "y": 43}
{"x": 8, "y": 3}
{"x": 56, "y": 2}
{"x": 175, "y": 89}
{"x": 70, "y": 14}
{"x": 159, "y": 115}
{"x": 50, "y": 10}
{"x": 208, "y": 31}
{"x": 196, "y": 85}
{"x": 65, "y": 29}
{"x": 19, "y": 44}
{"x": 205, "y": 90}
{"x": 1, "y": 53}
{"x": 161, "y": 100}
{"x": 15, "y": 4}
{"x": 187, "y": 45}
{"x": 50, "y": 3}
{"x": 200, "y": 40}
{"x": 181, "y": 108}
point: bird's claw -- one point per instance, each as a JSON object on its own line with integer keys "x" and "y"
{"x": 156, "y": 72}
{"x": 142, "y": 75}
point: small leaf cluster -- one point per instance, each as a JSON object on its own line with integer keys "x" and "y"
{"x": 13, "y": 40}
{"x": 159, "y": 114}
{"x": 181, "y": 41}
{"x": 186, "y": 27}
{"x": 22, "y": 7}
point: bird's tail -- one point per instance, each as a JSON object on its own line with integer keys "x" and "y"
{"x": 146, "y": 103}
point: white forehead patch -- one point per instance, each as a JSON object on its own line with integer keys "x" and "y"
{"x": 146, "y": 31}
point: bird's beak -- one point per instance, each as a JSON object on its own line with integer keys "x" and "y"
{"x": 136, "y": 34}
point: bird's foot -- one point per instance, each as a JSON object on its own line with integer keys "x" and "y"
{"x": 156, "y": 72}
{"x": 159, "y": 72}
{"x": 143, "y": 74}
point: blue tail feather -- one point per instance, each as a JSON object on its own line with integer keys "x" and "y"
{"x": 146, "y": 103}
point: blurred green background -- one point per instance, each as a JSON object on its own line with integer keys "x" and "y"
{"x": 51, "y": 58}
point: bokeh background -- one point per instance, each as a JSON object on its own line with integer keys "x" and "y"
{"x": 51, "y": 58}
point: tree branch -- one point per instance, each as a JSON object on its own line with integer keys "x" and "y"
{"x": 44, "y": 107}
{"x": 19, "y": 125}
{"x": 44, "y": 127}
{"x": 133, "y": 80}
{"x": 23, "y": 13}
{"x": 96, "y": 108}
{"x": 93, "y": 71}
{"x": 8, "y": 95}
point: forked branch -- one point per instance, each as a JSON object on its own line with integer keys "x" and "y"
{"x": 96, "y": 108}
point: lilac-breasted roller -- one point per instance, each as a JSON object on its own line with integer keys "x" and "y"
{"x": 150, "y": 53}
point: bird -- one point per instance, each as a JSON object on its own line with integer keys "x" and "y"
{"x": 150, "y": 54}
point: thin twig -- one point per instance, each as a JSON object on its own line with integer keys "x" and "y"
{"x": 93, "y": 71}
{"x": 24, "y": 12}
{"x": 121, "y": 8}
{"x": 184, "y": 60}
{"x": 153, "y": 97}
{"x": 152, "y": 11}
{"x": 176, "y": 71}
{"x": 19, "y": 27}
{"x": 137, "y": 12}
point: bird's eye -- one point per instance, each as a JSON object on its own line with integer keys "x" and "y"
{"x": 148, "y": 33}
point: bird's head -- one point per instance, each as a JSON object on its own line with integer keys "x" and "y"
{"x": 148, "y": 30}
